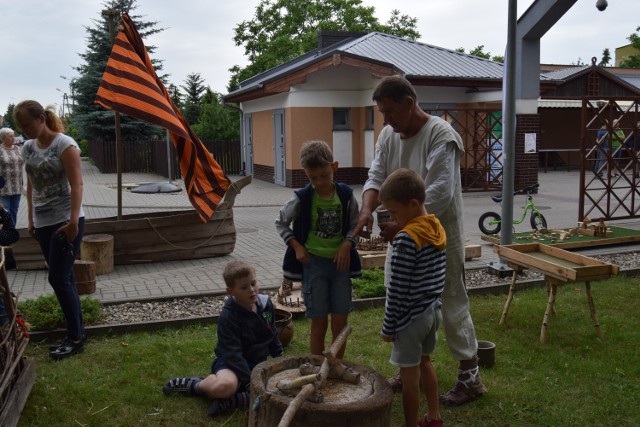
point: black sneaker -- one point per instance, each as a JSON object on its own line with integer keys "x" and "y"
{"x": 220, "y": 406}
{"x": 67, "y": 349}
{"x": 184, "y": 385}
{"x": 65, "y": 341}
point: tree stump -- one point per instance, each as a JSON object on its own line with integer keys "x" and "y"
{"x": 85, "y": 276}
{"x": 99, "y": 249}
{"x": 344, "y": 405}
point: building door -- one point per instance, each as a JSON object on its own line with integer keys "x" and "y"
{"x": 247, "y": 145}
{"x": 279, "y": 145}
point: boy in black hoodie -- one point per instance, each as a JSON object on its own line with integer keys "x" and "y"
{"x": 246, "y": 337}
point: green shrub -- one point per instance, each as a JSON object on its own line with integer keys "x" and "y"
{"x": 370, "y": 285}
{"x": 44, "y": 312}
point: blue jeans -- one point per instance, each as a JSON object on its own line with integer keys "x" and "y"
{"x": 11, "y": 203}
{"x": 60, "y": 256}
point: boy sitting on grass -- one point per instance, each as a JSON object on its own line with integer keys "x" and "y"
{"x": 246, "y": 336}
{"x": 412, "y": 311}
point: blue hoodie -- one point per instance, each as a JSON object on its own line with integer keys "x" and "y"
{"x": 245, "y": 338}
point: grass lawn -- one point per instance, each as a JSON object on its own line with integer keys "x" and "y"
{"x": 575, "y": 379}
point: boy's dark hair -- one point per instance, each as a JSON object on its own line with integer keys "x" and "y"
{"x": 315, "y": 154}
{"x": 402, "y": 186}
{"x": 395, "y": 88}
{"x": 236, "y": 270}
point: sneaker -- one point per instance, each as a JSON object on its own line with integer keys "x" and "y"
{"x": 183, "y": 385}
{"x": 465, "y": 390}
{"x": 425, "y": 422}
{"x": 220, "y": 406}
{"x": 65, "y": 341}
{"x": 67, "y": 349}
{"x": 395, "y": 383}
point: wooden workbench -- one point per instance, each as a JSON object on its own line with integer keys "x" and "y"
{"x": 559, "y": 267}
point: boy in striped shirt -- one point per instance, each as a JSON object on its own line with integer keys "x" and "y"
{"x": 412, "y": 310}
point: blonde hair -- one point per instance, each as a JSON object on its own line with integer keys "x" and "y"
{"x": 34, "y": 110}
{"x": 402, "y": 186}
{"x": 236, "y": 270}
{"x": 315, "y": 154}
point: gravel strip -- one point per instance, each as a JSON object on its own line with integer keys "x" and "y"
{"x": 181, "y": 308}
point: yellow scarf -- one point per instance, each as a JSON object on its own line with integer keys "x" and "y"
{"x": 426, "y": 230}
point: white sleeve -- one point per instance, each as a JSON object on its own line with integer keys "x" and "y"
{"x": 441, "y": 178}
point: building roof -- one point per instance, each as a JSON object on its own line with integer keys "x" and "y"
{"x": 412, "y": 59}
{"x": 628, "y": 76}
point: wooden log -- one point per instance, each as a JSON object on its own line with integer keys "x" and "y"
{"x": 297, "y": 382}
{"x": 84, "y": 273}
{"x": 309, "y": 389}
{"x": 99, "y": 249}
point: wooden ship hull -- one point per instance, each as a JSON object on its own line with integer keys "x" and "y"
{"x": 150, "y": 237}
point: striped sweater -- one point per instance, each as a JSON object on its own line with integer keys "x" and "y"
{"x": 417, "y": 272}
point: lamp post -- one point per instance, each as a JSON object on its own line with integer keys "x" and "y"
{"x": 65, "y": 101}
{"x": 72, "y": 88}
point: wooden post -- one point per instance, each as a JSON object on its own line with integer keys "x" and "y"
{"x": 592, "y": 311}
{"x": 552, "y": 285}
{"x": 512, "y": 291}
{"x": 99, "y": 249}
{"x": 84, "y": 273}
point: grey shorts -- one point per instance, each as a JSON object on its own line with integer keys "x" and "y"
{"x": 417, "y": 340}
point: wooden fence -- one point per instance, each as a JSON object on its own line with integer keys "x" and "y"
{"x": 151, "y": 156}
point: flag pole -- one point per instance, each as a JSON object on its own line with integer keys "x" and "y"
{"x": 111, "y": 14}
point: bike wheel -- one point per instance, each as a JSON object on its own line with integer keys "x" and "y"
{"x": 489, "y": 223}
{"x": 538, "y": 221}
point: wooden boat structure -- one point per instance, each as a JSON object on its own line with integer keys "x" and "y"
{"x": 149, "y": 237}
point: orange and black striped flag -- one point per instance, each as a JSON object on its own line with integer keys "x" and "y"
{"x": 130, "y": 86}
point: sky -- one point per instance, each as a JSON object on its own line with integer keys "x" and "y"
{"x": 40, "y": 40}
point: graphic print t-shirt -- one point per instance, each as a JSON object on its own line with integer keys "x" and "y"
{"x": 51, "y": 192}
{"x": 325, "y": 236}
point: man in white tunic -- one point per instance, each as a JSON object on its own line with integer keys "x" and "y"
{"x": 428, "y": 145}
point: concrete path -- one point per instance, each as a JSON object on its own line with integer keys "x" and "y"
{"x": 257, "y": 241}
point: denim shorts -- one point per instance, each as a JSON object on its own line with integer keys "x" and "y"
{"x": 417, "y": 340}
{"x": 325, "y": 289}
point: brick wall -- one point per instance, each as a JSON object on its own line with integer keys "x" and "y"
{"x": 263, "y": 172}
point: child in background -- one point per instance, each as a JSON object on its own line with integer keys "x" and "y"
{"x": 412, "y": 311}
{"x": 246, "y": 336}
{"x": 321, "y": 245}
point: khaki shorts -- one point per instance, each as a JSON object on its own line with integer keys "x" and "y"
{"x": 418, "y": 339}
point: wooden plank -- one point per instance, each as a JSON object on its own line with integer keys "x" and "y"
{"x": 495, "y": 239}
{"x": 472, "y": 251}
{"x": 556, "y": 262}
{"x": 373, "y": 260}
{"x": 18, "y": 395}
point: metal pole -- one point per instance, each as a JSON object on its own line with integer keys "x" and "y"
{"x": 111, "y": 14}
{"x": 168, "y": 157}
{"x": 509, "y": 128}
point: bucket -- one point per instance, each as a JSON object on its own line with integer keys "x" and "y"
{"x": 486, "y": 354}
{"x": 284, "y": 325}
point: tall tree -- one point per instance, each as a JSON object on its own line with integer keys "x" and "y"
{"x": 193, "y": 89}
{"x": 606, "y": 58}
{"x": 92, "y": 121}
{"x": 8, "y": 118}
{"x": 285, "y": 29}
{"x": 633, "y": 61}
{"x": 176, "y": 95}
{"x": 216, "y": 121}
